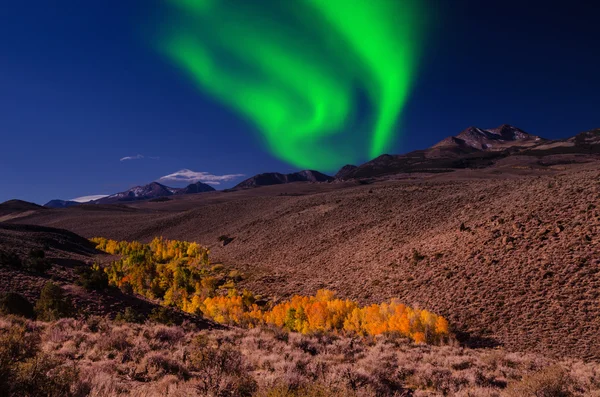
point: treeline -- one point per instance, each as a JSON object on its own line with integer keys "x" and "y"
{"x": 325, "y": 312}
{"x": 180, "y": 275}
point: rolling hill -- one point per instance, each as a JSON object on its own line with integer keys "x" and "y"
{"x": 506, "y": 248}
{"x": 17, "y": 206}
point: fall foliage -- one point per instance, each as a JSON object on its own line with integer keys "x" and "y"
{"x": 179, "y": 274}
{"x": 326, "y": 313}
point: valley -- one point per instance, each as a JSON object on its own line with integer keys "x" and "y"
{"x": 505, "y": 249}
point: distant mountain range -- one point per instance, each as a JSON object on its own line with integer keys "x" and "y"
{"x": 149, "y": 191}
{"x": 472, "y": 148}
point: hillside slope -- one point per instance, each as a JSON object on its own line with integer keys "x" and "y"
{"x": 11, "y": 207}
{"x": 64, "y": 253}
{"x": 508, "y": 257}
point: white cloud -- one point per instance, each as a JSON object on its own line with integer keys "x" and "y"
{"x": 136, "y": 157}
{"x": 190, "y": 176}
{"x": 85, "y": 199}
{"x": 139, "y": 157}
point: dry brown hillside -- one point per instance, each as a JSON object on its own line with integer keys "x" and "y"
{"x": 509, "y": 254}
{"x": 64, "y": 253}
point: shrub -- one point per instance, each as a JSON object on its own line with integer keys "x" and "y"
{"x": 156, "y": 365}
{"x": 170, "y": 335}
{"x": 92, "y": 278}
{"x": 129, "y": 315}
{"x": 235, "y": 275}
{"x": 25, "y": 371}
{"x": 114, "y": 342}
{"x": 37, "y": 262}
{"x": 221, "y": 368}
{"x": 417, "y": 256}
{"x": 97, "y": 324}
{"x": 10, "y": 259}
{"x": 309, "y": 390}
{"x": 218, "y": 268}
{"x": 550, "y": 382}
{"x": 53, "y": 304}
{"x": 17, "y": 304}
{"x": 126, "y": 288}
{"x": 44, "y": 376}
{"x": 225, "y": 239}
{"x": 210, "y": 284}
{"x": 37, "y": 254}
{"x": 164, "y": 315}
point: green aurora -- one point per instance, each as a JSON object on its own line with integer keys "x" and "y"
{"x": 324, "y": 81}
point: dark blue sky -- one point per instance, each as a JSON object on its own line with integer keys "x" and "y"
{"x": 82, "y": 86}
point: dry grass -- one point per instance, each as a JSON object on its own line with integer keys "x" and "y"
{"x": 155, "y": 360}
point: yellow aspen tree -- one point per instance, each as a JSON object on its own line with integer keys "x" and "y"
{"x": 419, "y": 337}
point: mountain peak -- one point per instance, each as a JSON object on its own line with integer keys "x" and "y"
{"x": 344, "y": 171}
{"x": 151, "y": 190}
{"x": 509, "y": 132}
{"x": 499, "y": 138}
{"x": 276, "y": 178}
{"x": 197, "y": 187}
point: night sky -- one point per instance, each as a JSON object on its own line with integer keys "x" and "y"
{"x": 84, "y": 87}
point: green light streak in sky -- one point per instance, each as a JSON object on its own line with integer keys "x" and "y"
{"x": 298, "y": 69}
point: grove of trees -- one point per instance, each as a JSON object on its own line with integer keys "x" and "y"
{"x": 179, "y": 274}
